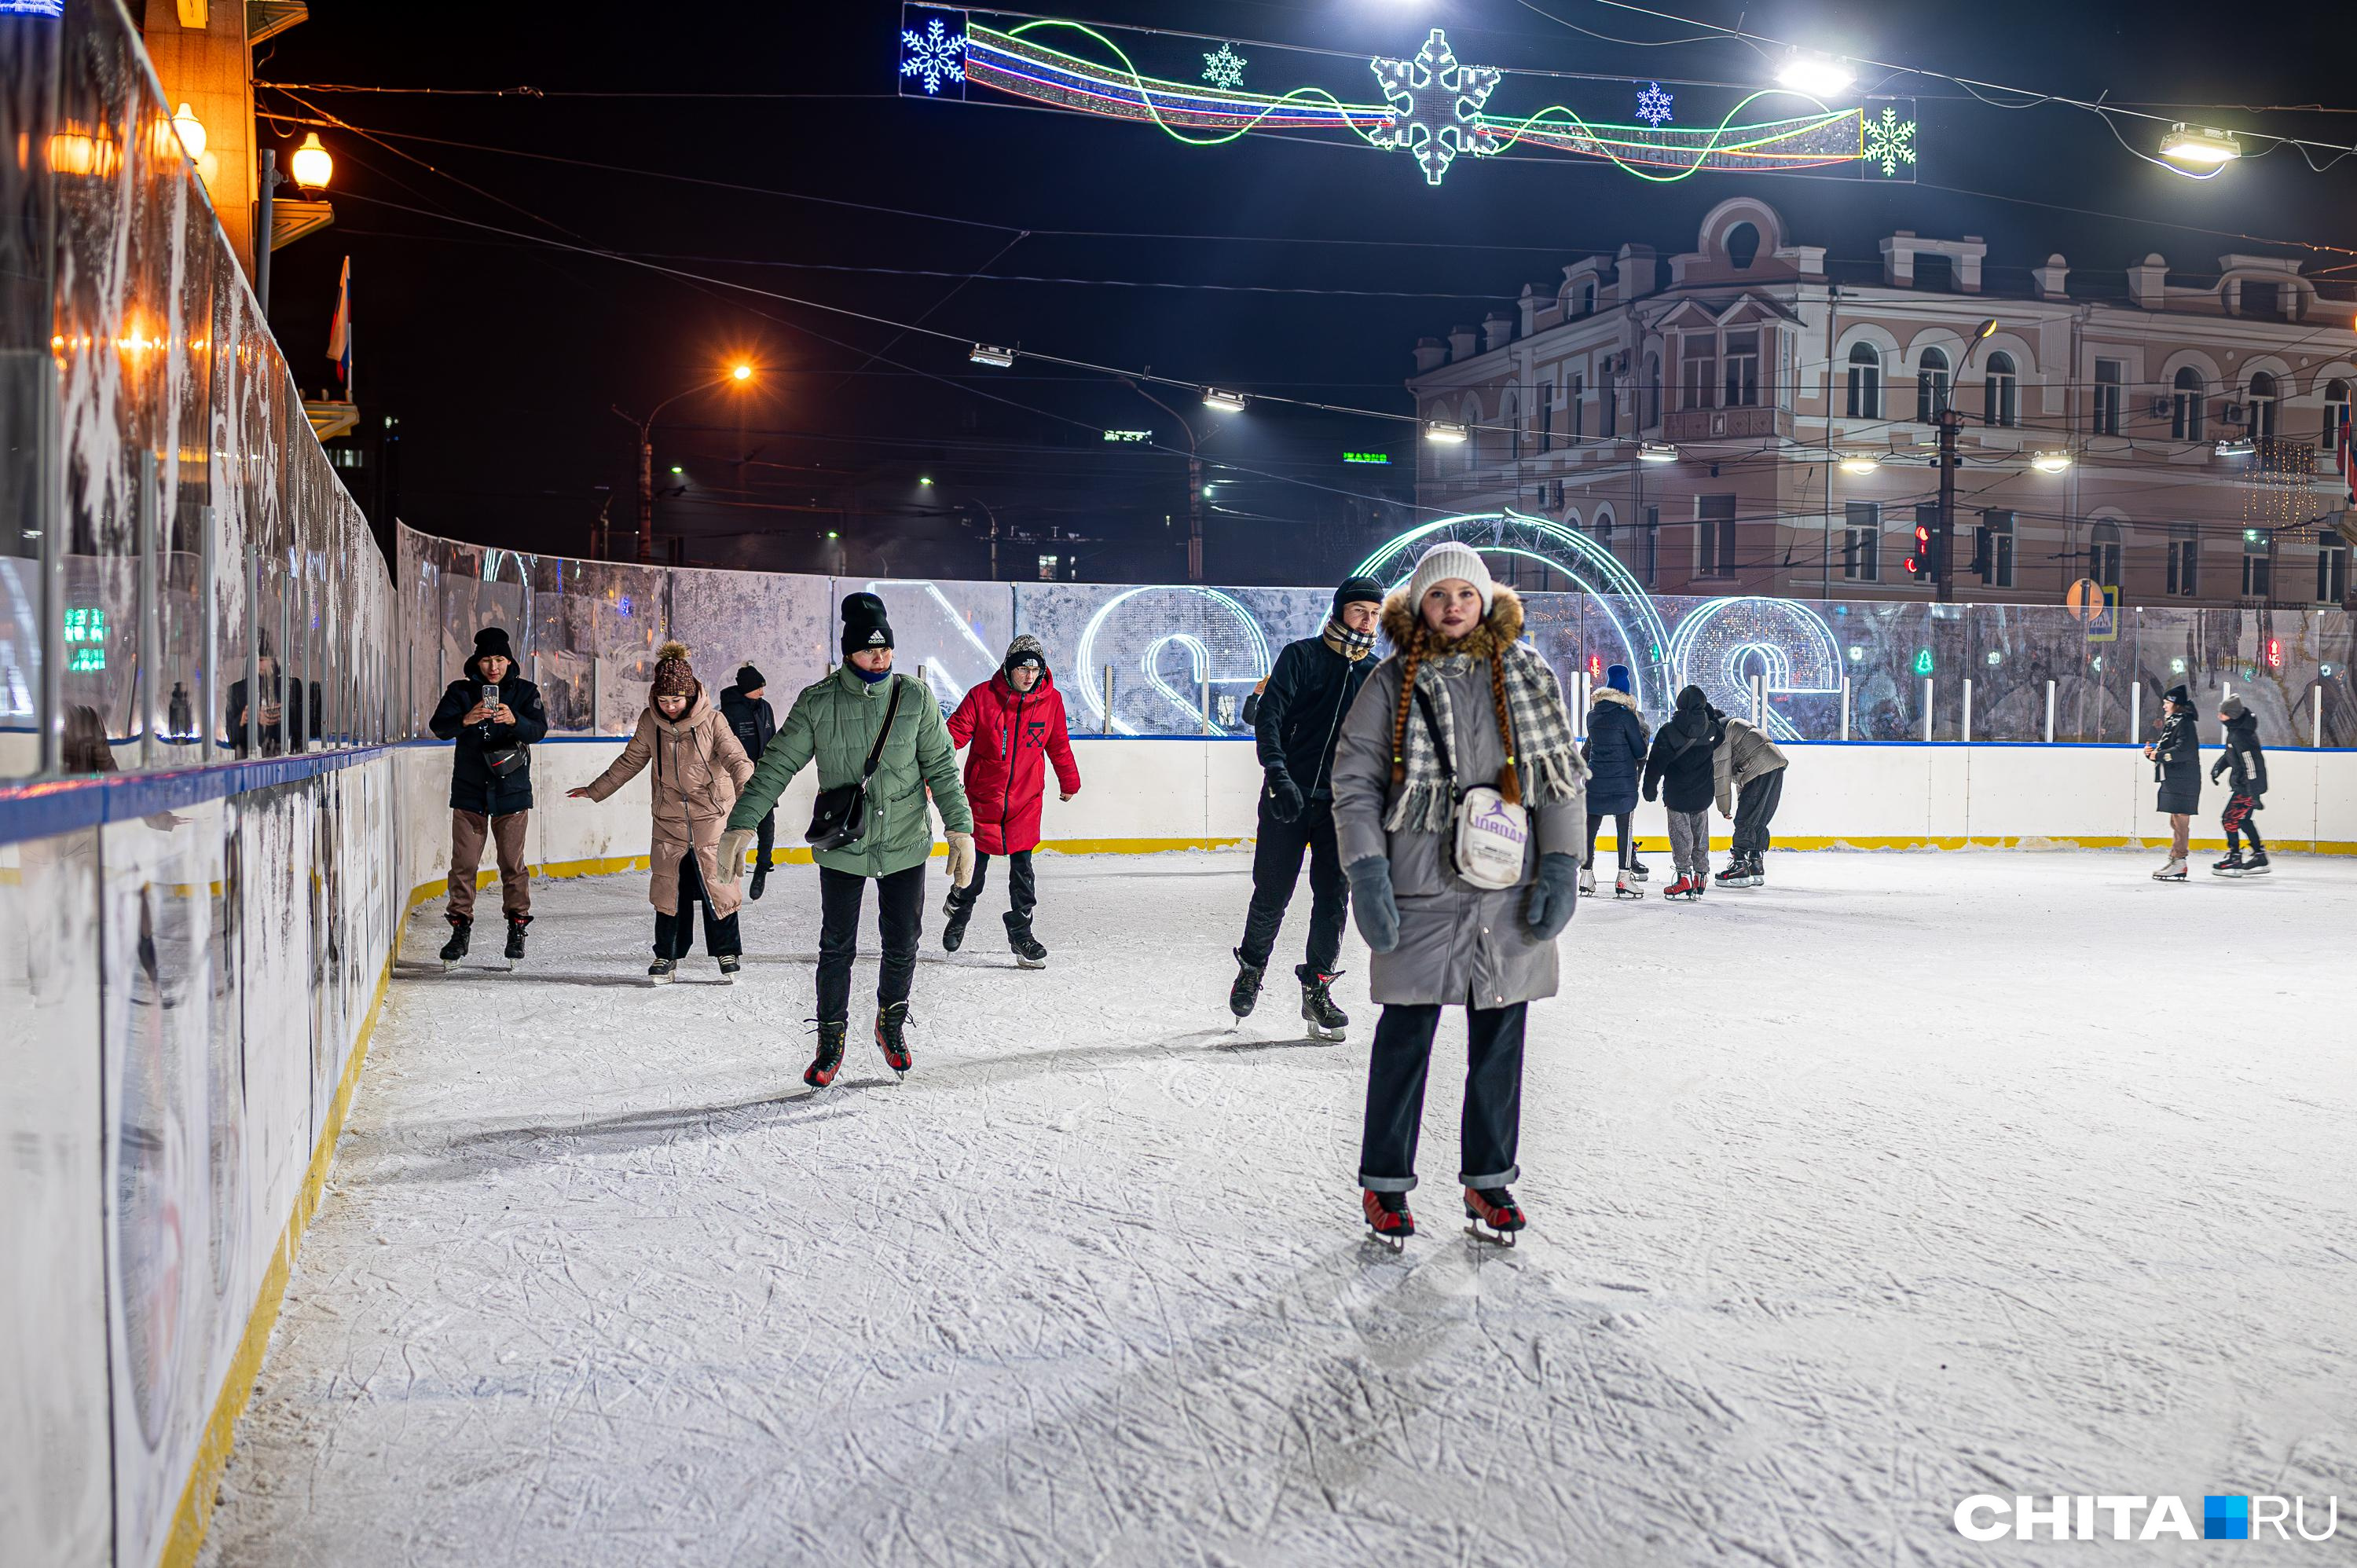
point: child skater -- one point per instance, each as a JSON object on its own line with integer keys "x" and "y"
{"x": 1681, "y": 771}
{"x": 2246, "y": 768}
{"x": 1615, "y": 751}
{"x": 1014, "y": 723}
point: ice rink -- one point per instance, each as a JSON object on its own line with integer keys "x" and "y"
{"x": 1906, "y": 1178}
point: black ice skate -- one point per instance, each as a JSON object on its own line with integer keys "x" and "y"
{"x": 1028, "y": 953}
{"x": 1326, "y": 1021}
{"x": 729, "y": 964}
{"x": 760, "y": 878}
{"x": 1388, "y": 1217}
{"x": 2230, "y": 866}
{"x": 890, "y": 1023}
{"x": 954, "y": 915}
{"x": 1736, "y": 875}
{"x": 516, "y": 923}
{"x": 456, "y": 948}
{"x": 829, "y": 1059}
{"x": 2257, "y": 865}
{"x": 1494, "y": 1216}
{"x": 662, "y": 971}
{"x": 1640, "y": 870}
{"x": 1244, "y": 995}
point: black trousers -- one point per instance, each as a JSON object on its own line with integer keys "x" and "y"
{"x": 1755, "y": 808}
{"x": 764, "y": 837}
{"x": 675, "y": 934}
{"x": 1621, "y": 822}
{"x": 1277, "y": 866}
{"x": 900, "y": 907}
{"x": 1022, "y": 888}
{"x": 1492, "y": 1128}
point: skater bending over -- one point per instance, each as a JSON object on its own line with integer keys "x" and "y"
{"x": 1747, "y": 772}
{"x": 864, "y": 722}
{"x": 494, "y": 715}
{"x": 1615, "y": 754}
{"x": 752, "y": 721}
{"x": 1014, "y": 727}
{"x": 1299, "y": 716}
{"x": 2176, "y": 754}
{"x": 699, "y": 768}
{"x": 2246, "y": 768}
{"x": 1459, "y": 800}
{"x": 1682, "y": 771}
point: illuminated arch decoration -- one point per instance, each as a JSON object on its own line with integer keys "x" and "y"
{"x": 964, "y": 645}
{"x": 1623, "y": 600}
{"x": 1217, "y": 640}
{"x": 1435, "y": 108}
{"x": 1718, "y": 641}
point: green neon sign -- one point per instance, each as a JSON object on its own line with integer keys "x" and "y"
{"x": 1366, "y": 457}
{"x": 1922, "y": 662}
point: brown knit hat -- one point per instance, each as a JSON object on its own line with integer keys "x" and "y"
{"x": 673, "y": 676}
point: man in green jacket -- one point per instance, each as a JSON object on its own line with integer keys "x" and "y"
{"x": 836, "y": 722}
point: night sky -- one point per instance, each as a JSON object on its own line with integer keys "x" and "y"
{"x": 503, "y": 359}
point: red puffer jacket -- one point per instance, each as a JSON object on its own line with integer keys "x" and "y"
{"x": 1013, "y": 736}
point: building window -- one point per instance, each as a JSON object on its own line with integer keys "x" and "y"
{"x": 2263, "y": 301}
{"x": 1995, "y": 551}
{"x": 1699, "y": 371}
{"x": 1652, "y": 392}
{"x": 2103, "y": 554}
{"x": 2336, "y": 405}
{"x": 1579, "y": 402}
{"x": 1742, "y": 369}
{"x": 2258, "y": 566}
{"x": 1862, "y": 542}
{"x": 1607, "y": 406}
{"x": 1653, "y": 543}
{"x": 2004, "y": 391}
{"x": 1742, "y": 245}
{"x": 2332, "y": 574}
{"x": 2185, "y": 400}
{"x": 1600, "y": 525}
{"x": 2111, "y": 385}
{"x": 2185, "y": 564}
{"x": 1545, "y": 421}
{"x": 1865, "y": 381}
{"x": 1047, "y": 568}
{"x": 1513, "y": 418}
{"x": 1715, "y": 536}
{"x": 2262, "y": 412}
{"x": 1931, "y": 386}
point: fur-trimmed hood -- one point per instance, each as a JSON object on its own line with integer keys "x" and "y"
{"x": 1612, "y": 695}
{"x": 1500, "y": 628}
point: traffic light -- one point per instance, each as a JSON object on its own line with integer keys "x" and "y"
{"x": 1982, "y": 543}
{"x": 1920, "y": 564}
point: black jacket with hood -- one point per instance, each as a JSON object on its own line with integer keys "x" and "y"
{"x": 1680, "y": 764}
{"x": 2176, "y": 764}
{"x": 754, "y": 722}
{"x": 1301, "y": 708}
{"x": 473, "y": 785}
{"x": 2244, "y": 763}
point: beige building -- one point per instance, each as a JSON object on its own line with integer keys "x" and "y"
{"x": 1740, "y": 419}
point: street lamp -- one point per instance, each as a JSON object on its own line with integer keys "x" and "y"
{"x": 1819, "y": 75}
{"x": 741, "y": 374}
{"x": 1950, "y": 420}
{"x": 1194, "y": 470}
{"x": 313, "y": 167}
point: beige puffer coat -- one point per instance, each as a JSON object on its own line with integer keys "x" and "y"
{"x": 699, "y": 770}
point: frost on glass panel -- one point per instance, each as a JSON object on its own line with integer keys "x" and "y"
{"x": 782, "y": 625}
{"x": 956, "y": 632}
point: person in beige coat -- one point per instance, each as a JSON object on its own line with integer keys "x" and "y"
{"x": 699, "y": 770}
{"x": 1747, "y": 770}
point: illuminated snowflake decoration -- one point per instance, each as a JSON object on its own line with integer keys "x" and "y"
{"x": 1654, "y": 105}
{"x": 933, "y": 55}
{"x": 1890, "y": 141}
{"x": 1225, "y": 69}
{"x": 1436, "y": 106}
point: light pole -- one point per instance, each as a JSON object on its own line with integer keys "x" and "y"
{"x": 993, "y": 518}
{"x": 738, "y": 373}
{"x": 1951, "y": 421}
{"x": 312, "y": 168}
{"x": 1194, "y": 484}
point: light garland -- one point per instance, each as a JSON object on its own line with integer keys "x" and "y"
{"x": 1797, "y": 647}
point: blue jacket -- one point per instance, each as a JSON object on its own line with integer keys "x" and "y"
{"x": 1615, "y": 753}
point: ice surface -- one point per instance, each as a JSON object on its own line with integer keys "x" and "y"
{"x": 1818, "y": 1247}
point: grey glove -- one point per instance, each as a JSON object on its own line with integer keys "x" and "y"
{"x": 1372, "y": 903}
{"x": 1553, "y": 896}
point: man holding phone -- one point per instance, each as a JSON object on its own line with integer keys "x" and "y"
{"x": 493, "y": 715}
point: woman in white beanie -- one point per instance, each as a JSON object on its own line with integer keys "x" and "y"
{"x": 1460, "y": 805}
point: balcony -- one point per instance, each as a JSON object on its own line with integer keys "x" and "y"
{"x": 1759, "y": 422}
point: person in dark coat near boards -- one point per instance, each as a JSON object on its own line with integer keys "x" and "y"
{"x": 1681, "y": 771}
{"x": 754, "y": 724}
{"x": 2246, "y": 768}
{"x": 490, "y": 784}
{"x": 1013, "y": 725}
{"x": 2176, "y": 754}
{"x": 1615, "y": 753}
{"x": 1296, "y": 720}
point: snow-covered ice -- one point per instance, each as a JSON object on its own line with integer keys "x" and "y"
{"x": 1903, "y": 1179}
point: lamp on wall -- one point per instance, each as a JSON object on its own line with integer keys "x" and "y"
{"x": 312, "y": 165}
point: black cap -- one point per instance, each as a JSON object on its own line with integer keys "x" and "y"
{"x": 1357, "y": 590}
{"x": 492, "y": 640}
{"x": 748, "y": 679}
{"x": 864, "y": 624}
{"x": 2177, "y": 694}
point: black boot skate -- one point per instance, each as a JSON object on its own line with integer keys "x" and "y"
{"x": 516, "y": 923}
{"x": 890, "y": 1023}
{"x": 955, "y": 913}
{"x": 1244, "y": 995}
{"x": 1640, "y": 870}
{"x": 1028, "y": 953}
{"x": 1388, "y": 1217}
{"x": 1326, "y": 1021}
{"x": 662, "y": 971}
{"x": 829, "y": 1059}
{"x": 729, "y": 964}
{"x": 1494, "y": 1216}
{"x": 2256, "y": 866}
{"x": 2230, "y": 866}
{"x": 761, "y": 883}
{"x": 456, "y": 948}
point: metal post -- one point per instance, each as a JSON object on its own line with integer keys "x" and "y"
{"x": 1844, "y": 729}
{"x": 1208, "y": 725}
{"x": 2135, "y": 710}
{"x": 1758, "y": 701}
{"x": 1944, "y": 577}
{"x": 1108, "y": 699}
{"x": 1927, "y": 707}
{"x": 253, "y": 743}
{"x": 2050, "y": 712}
{"x": 143, "y": 669}
{"x": 1968, "y": 710}
{"x": 647, "y": 493}
{"x": 1194, "y": 511}
{"x": 2316, "y": 719}
{"x": 209, "y": 687}
{"x": 596, "y": 682}
{"x": 263, "y": 223}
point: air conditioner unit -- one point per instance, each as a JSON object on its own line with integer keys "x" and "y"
{"x": 2160, "y": 408}
{"x": 2235, "y": 413}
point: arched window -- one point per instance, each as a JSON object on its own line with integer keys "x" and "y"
{"x": 2336, "y": 408}
{"x": 1742, "y": 244}
{"x": 1652, "y": 392}
{"x": 2261, "y": 413}
{"x": 1587, "y": 297}
{"x": 2103, "y": 554}
{"x": 2004, "y": 389}
{"x": 1511, "y": 415}
{"x": 2185, "y": 405}
{"x": 1931, "y": 386}
{"x": 1865, "y": 381}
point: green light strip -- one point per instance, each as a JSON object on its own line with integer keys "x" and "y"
{"x": 1707, "y": 149}
{"x": 1137, "y": 84}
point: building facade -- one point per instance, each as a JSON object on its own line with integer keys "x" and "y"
{"x": 1741, "y": 420}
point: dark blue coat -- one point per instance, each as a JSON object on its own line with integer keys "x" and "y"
{"x": 1615, "y": 753}
{"x": 473, "y": 785}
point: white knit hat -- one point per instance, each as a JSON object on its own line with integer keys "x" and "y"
{"x": 1446, "y": 560}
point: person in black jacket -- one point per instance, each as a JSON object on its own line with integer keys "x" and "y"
{"x": 490, "y": 785}
{"x": 1615, "y": 753}
{"x": 2246, "y": 768}
{"x": 1681, "y": 770}
{"x": 2176, "y": 756}
{"x": 748, "y": 713}
{"x": 1296, "y": 723}
{"x": 266, "y": 731}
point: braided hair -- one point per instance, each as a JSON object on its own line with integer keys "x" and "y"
{"x": 1509, "y": 779}
{"x": 1410, "y": 657}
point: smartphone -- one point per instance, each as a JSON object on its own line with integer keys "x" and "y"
{"x": 490, "y": 696}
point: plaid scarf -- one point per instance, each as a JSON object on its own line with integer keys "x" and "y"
{"x": 1543, "y": 747}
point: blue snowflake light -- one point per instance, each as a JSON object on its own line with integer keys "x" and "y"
{"x": 1224, "y": 69}
{"x": 932, "y": 57}
{"x": 1654, "y": 105}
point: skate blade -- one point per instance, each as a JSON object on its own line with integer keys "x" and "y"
{"x": 660, "y": 979}
{"x": 2255, "y": 870}
{"x": 1481, "y": 1232}
{"x": 727, "y": 979}
{"x": 1325, "y": 1036}
{"x": 449, "y": 964}
{"x": 2229, "y": 875}
{"x": 1022, "y": 962}
{"x": 1395, "y": 1245}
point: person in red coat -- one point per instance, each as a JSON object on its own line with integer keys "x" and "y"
{"x": 1013, "y": 726}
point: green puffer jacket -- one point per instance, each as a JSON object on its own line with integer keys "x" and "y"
{"x": 835, "y": 721}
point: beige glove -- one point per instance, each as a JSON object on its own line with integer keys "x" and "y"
{"x": 960, "y": 858}
{"x": 732, "y": 853}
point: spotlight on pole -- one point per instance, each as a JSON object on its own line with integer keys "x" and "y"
{"x": 1656, "y": 452}
{"x": 1445, "y": 434}
{"x": 1860, "y": 462}
{"x": 985, "y": 354}
{"x": 2050, "y": 462}
{"x": 2200, "y": 144}
{"x": 1225, "y": 401}
{"x": 1818, "y": 75}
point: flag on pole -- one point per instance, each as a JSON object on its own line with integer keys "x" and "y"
{"x": 339, "y": 330}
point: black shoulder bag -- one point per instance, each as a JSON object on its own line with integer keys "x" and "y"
{"x": 839, "y": 816}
